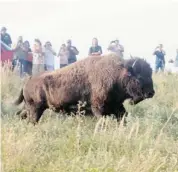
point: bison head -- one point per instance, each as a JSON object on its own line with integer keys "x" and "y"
{"x": 139, "y": 83}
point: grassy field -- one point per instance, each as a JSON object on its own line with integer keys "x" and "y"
{"x": 149, "y": 142}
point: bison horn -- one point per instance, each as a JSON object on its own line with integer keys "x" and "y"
{"x": 134, "y": 63}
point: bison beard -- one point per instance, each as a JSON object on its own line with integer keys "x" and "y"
{"x": 104, "y": 82}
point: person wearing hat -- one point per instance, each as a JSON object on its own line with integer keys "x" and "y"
{"x": 73, "y": 52}
{"x": 5, "y": 37}
{"x": 49, "y": 54}
{"x": 63, "y": 55}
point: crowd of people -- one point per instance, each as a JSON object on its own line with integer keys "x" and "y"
{"x": 42, "y": 57}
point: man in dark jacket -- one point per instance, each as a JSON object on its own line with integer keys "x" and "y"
{"x": 5, "y": 37}
{"x": 72, "y": 52}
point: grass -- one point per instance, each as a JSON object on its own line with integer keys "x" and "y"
{"x": 149, "y": 142}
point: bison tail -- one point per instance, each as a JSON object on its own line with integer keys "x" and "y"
{"x": 20, "y": 98}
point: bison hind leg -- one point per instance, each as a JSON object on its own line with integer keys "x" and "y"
{"x": 22, "y": 113}
{"x": 36, "y": 113}
{"x": 19, "y": 112}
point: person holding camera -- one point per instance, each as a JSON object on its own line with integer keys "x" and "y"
{"x": 117, "y": 48}
{"x": 63, "y": 56}
{"x": 160, "y": 58}
{"x": 20, "y": 55}
{"x": 38, "y": 58}
{"x": 49, "y": 55}
{"x": 73, "y": 52}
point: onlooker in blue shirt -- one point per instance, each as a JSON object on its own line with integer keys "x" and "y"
{"x": 95, "y": 49}
{"x": 5, "y": 37}
{"x": 160, "y": 59}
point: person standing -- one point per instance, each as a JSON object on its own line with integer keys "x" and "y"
{"x": 117, "y": 48}
{"x": 95, "y": 49}
{"x": 5, "y": 37}
{"x": 20, "y": 55}
{"x": 176, "y": 59}
{"x": 112, "y": 47}
{"x": 63, "y": 56}
{"x": 49, "y": 55}
{"x": 38, "y": 58}
{"x": 27, "y": 63}
{"x": 73, "y": 52}
{"x": 160, "y": 58}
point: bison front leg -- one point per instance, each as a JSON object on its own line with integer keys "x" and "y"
{"x": 97, "y": 111}
{"x": 121, "y": 113}
{"x": 118, "y": 110}
{"x": 97, "y": 106}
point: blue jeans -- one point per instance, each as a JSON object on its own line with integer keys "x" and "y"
{"x": 14, "y": 63}
{"x": 62, "y": 65}
{"x": 22, "y": 67}
{"x": 159, "y": 65}
{"x": 70, "y": 61}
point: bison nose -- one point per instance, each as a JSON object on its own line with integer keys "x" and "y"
{"x": 150, "y": 94}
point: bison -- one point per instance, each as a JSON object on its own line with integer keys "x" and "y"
{"x": 104, "y": 82}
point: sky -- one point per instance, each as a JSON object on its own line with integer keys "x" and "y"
{"x": 140, "y": 25}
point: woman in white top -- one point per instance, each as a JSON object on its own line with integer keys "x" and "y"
{"x": 38, "y": 58}
{"x": 63, "y": 55}
{"x": 49, "y": 54}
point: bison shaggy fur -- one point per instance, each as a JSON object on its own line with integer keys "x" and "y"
{"x": 104, "y": 82}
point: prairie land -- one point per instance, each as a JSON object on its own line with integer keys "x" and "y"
{"x": 59, "y": 143}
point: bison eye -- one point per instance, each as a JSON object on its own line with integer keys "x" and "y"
{"x": 140, "y": 79}
{"x": 139, "y": 76}
{"x": 129, "y": 74}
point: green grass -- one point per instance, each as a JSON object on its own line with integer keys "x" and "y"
{"x": 149, "y": 142}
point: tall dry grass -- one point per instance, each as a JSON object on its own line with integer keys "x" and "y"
{"x": 149, "y": 142}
